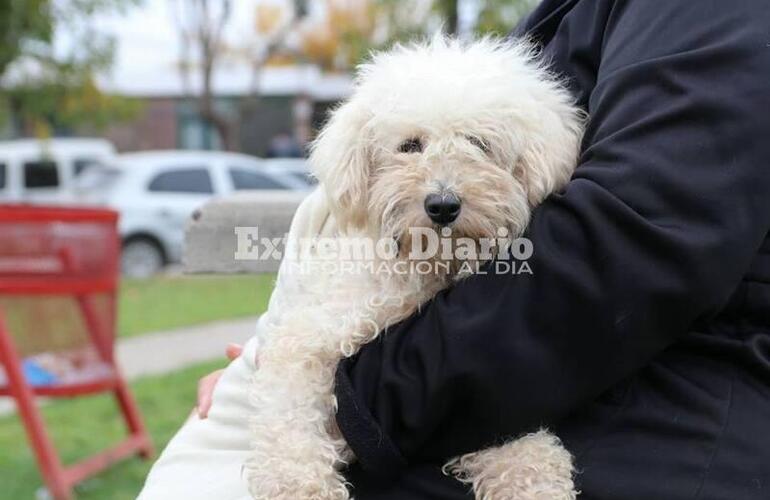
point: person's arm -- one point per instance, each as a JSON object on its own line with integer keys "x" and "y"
{"x": 661, "y": 220}
{"x": 208, "y": 382}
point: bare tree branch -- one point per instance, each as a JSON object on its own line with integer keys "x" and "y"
{"x": 201, "y": 28}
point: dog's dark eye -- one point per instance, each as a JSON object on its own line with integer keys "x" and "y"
{"x": 413, "y": 145}
{"x": 479, "y": 143}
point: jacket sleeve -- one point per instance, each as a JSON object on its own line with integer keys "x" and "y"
{"x": 669, "y": 204}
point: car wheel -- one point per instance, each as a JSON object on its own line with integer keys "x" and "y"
{"x": 141, "y": 258}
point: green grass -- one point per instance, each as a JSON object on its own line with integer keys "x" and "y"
{"x": 86, "y": 425}
{"x": 167, "y": 302}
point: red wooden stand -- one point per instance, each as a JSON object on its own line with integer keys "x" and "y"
{"x": 65, "y": 252}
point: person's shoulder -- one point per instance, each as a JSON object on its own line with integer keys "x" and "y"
{"x": 699, "y": 36}
{"x": 685, "y": 12}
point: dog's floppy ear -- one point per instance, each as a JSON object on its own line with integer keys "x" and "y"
{"x": 551, "y": 147}
{"x": 340, "y": 161}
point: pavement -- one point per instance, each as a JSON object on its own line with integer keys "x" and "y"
{"x": 162, "y": 352}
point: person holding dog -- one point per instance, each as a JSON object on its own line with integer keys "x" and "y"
{"x": 642, "y": 336}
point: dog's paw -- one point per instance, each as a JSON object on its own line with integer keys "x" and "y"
{"x": 533, "y": 467}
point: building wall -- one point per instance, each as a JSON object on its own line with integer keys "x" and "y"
{"x": 263, "y": 120}
{"x": 155, "y": 127}
{"x": 173, "y": 123}
{"x": 321, "y": 112}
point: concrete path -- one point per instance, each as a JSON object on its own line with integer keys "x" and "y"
{"x": 163, "y": 352}
{"x": 167, "y": 351}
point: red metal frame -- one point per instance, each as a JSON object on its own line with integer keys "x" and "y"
{"x": 60, "y": 478}
{"x": 41, "y": 213}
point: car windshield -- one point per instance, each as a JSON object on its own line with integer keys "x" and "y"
{"x": 305, "y": 177}
{"x": 96, "y": 178}
{"x": 295, "y": 169}
{"x": 81, "y": 165}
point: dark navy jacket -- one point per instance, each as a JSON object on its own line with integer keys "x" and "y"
{"x": 643, "y": 336}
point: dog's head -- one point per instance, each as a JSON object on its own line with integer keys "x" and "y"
{"x": 469, "y": 136}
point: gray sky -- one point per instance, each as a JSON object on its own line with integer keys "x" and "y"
{"x": 148, "y": 42}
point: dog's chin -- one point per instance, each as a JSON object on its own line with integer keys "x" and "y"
{"x": 452, "y": 247}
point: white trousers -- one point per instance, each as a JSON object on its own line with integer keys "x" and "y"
{"x": 204, "y": 460}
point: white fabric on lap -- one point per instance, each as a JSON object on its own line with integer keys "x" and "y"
{"x": 205, "y": 458}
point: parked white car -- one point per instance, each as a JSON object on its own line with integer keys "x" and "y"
{"x": 294, "y": 167}
{"x": 157, "y": 192}
{"x": 41, "y": 171}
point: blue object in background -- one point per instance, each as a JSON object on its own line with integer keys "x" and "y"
{"x": 36, "y": 375}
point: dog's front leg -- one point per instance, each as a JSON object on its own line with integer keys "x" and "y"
{"x": 295, "y": 456}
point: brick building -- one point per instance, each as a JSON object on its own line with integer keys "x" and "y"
{"x": 289, "y": 101}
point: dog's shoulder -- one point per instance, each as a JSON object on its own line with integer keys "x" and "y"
{"x": 313, "y": 218}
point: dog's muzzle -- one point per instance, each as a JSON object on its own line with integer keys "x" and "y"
{"x": 442, "y": 208}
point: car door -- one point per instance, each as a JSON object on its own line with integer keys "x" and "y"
{"x": 173, "y": 194}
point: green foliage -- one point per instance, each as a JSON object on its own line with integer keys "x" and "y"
{"x": 42, "y": 88}
{"x": 355, "y": 29}
{"x": 84, "y": 426}
{"x": 23, "y": 21}
{"x": 499, "y": 17}
{"x": 447, "y": 9}
{"x": 61, "y": 103}
{"x": 87, "y": 425}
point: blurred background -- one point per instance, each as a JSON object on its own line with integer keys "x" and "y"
{"x": 152, "y": 109}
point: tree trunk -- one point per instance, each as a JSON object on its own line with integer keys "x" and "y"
{"x": 449, "y": 8}
{"x": 226, "y": 129}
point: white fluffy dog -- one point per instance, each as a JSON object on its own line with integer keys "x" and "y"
{"x": 466, "y": 136}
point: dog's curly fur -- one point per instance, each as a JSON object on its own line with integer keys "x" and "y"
{"x": 485, "y": 121}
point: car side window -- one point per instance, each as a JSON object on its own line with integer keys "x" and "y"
{"x": 248, "y": 179}
{"x": 41, "y": 174}
{"x": 2, "y": 175}
{"x": 182, "y": 180}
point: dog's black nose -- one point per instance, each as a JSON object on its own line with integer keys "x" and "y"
{"x": 442, "y": 208}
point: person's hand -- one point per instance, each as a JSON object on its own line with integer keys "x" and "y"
{"x": 206, "y": 384}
